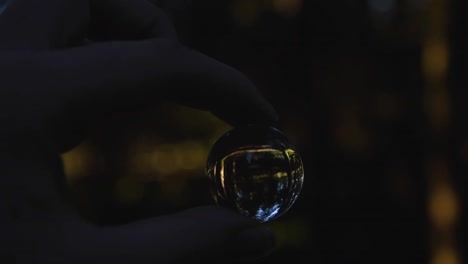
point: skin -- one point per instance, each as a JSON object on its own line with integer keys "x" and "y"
{"x": 64, "y": 65}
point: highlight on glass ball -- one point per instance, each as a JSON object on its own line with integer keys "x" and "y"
{"x": 256, "y": 171}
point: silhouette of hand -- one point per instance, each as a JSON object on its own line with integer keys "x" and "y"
{"x": 66, "y": 62}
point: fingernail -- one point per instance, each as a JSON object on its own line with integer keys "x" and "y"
{"x": 254, "y": 242}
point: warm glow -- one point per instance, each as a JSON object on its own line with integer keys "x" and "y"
{"x": 443, "y": 207}
{"x": 445, "y": 255}
{"x": 156, "y": 162}
{"x": 435, "y": 59}
{"x": 442, "y": 201}
{"x": 78, "y": 161}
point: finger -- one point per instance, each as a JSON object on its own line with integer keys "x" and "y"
{"x": 49, "y": 88}
{"x": 128, "y": 19}
{"x": 90, "y": 82}
{"x": 38, "y": 25}
{"x": 211, "y": 85}
{"x": 201, "y": 234}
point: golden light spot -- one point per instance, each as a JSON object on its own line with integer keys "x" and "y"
{"x": 193, "y": 155}
{"x": 445, "y": 255}
{"x": 160, "y": 161}
{"x": 435, "y": 57}
{"x": 164, "y": 160}
{"x": 442, "y": 199}
{"x": 443, "y": 207}
{"x": 78, "y": 161}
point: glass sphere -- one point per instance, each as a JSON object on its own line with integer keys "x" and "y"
{"x": 256, "y": 171}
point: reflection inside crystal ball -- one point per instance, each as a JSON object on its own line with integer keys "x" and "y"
{"x": 256, "y": 171}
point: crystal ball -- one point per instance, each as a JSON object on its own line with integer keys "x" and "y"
{"x": 256, "y": 171}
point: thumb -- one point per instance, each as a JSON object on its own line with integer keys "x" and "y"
{"x": 208, "y": 233}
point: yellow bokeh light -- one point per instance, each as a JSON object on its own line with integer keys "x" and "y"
{"x": 443, "y": 207}
{"x": 435, "y": 57}
{"x": 445, "y": 255}
{"x": 79, "y": 161}
{"x": 156, "y": 162}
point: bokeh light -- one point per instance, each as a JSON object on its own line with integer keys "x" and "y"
{"x": 369, "y": 94}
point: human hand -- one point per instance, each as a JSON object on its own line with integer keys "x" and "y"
{"x": 68, "y": 62}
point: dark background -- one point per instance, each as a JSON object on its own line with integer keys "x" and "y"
{"x": 371, "y": 92}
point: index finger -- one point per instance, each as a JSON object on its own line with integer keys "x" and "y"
{"x": 207, "y": 84}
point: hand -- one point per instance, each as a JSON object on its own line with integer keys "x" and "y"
{"x": 66, "y": 62}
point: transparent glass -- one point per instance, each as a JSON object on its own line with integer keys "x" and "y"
{"x": 256, "y": 171}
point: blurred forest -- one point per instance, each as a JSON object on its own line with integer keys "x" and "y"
{"x": 373, "y": 94}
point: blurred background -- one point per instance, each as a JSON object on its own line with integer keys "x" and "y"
{"x": 371, "y": 92}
